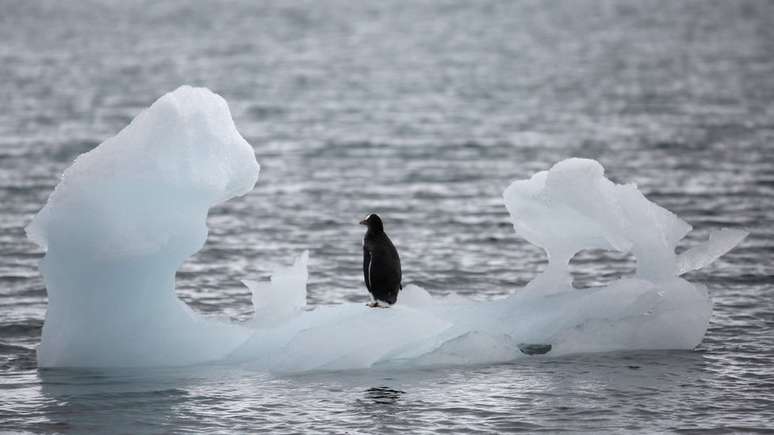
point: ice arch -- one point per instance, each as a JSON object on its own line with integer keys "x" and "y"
{"x": 128, "y": 213}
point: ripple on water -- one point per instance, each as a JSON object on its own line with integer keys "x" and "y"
{"x": 352, "y": 110}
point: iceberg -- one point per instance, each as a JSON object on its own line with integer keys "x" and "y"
{"x": 122, "y": 220}
{"x": 127, "y": 214}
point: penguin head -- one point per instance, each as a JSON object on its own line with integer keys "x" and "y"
{"x": 374, "y": 222}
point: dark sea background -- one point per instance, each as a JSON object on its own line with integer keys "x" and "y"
{"x": 423, "y": 112}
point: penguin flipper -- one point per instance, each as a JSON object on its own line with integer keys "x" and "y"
{"x": 367, "y": 268}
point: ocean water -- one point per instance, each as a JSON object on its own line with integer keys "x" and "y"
{"x": 422, "y": 112}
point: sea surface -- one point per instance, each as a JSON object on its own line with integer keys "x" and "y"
{"x": 423, "y": 112}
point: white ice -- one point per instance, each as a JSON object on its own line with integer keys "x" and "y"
{"x": 283, "y": 297}
{"x": 128, "y": 213}
{"x": 120, "y": 223}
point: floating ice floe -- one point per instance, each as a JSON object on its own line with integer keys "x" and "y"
{"x": 127, "y": 214}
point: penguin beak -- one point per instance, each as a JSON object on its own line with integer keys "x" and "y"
{"x": 363, "y": 222}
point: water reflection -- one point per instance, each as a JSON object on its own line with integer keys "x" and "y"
{"x": 531, "y": 394}
{"x": 383, "y": 395}
{"x": 124, "y": 400}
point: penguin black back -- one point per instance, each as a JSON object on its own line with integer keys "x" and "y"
{"x": 381, "y": 262}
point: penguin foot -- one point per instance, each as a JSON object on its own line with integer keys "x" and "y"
{"x": 378, "y": 304}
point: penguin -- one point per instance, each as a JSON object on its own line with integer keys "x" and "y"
{"x": 381, "y": 264}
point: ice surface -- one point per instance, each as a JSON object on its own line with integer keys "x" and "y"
{"x": 719, "y": 243}
{"x": 121, "y": 222}
{"x": 127, "y": 214}
{"x": 283, "y": 296}
{"x": 574, "y": 207}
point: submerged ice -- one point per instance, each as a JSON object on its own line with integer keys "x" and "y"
{"x": 127, "y": 214}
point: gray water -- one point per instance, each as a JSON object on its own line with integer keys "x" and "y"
{"x": 422, "y": 112}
